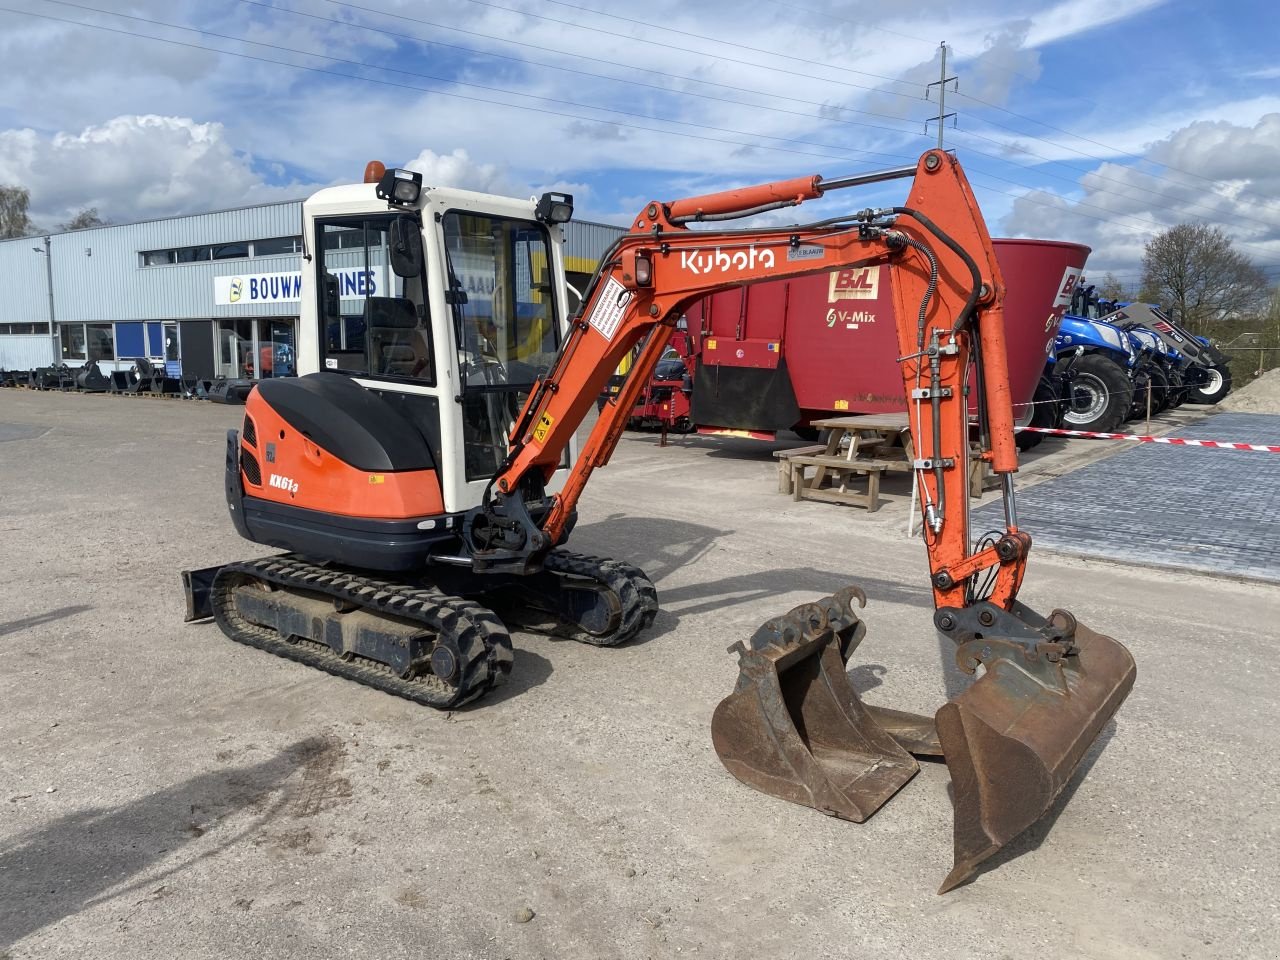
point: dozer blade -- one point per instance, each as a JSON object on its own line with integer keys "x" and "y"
{"x": 1014, "y": 738}
{"x": 795, "y": 728}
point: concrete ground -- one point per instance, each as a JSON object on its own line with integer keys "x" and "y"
{"x": 168, "y": 793}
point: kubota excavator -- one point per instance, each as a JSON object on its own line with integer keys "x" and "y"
{"x": 423, "y": 477}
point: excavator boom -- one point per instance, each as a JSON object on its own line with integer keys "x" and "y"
{"x": 794, "y": 727}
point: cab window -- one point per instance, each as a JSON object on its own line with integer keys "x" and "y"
{"x": 374, "y": 323}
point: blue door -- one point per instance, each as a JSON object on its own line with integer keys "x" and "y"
{"x": 130, "y": 341}
{"x": 155, "y": 340}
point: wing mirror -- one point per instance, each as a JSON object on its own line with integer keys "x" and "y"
{"x": 406, "y": 247}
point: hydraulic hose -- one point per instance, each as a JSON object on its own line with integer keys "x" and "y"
{"x": 960, "y": 252}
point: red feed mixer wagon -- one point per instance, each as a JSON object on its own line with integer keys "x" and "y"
{"x": 776, "y": 356}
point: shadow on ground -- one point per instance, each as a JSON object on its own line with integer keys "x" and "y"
{"x": 82, "y": 858}
{"x": 26, "y": 623}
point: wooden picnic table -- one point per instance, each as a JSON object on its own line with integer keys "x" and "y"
{"x": 856, "y": 446}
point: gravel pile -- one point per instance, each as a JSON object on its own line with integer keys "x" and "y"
{"x": 1261, "y": 396}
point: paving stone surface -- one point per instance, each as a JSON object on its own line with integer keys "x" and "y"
{"x": 1189, "y": 507}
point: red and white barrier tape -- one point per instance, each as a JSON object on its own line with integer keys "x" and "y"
{"x": 1174, "y": 441}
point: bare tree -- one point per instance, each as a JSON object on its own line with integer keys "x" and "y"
{"x": 1112, "y": 289}
{"x": 86, "y": 218}
{"x": 14, "y": 221}
{"x": 1192, "y": 270}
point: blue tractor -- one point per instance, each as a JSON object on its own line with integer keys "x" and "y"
{"x": 1202, "y": 367}
{"x": 1107, "y": 373}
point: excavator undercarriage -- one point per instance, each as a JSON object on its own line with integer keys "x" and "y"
{"x": 417, "y": 640}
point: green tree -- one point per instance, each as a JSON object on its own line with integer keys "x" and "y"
{"x": 14, "y": 221}
{"x": 86, "y": 218}
{"x": 1193, "y": 272}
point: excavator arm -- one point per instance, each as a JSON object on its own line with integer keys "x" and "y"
{"x": 948, "y": 294}
{"x": 794, "y": 727}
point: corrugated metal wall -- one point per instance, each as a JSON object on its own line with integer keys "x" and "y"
{"x": 25, "y": 286}
{"x": 98, "y": 274}
{"x": 589, "y": 240}
{"x": 24, "y": 353}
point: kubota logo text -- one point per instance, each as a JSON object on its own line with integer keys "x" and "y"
{"x": 856, "y": 283}
{"x": 698, "y": 262}
{"x": 284, "y": 483}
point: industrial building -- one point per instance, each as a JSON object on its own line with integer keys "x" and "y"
{"x": 208, "y": 295}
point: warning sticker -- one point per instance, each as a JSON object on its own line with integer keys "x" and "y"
{"x": 544, "y": 425}
{"x": 607, "y": 313}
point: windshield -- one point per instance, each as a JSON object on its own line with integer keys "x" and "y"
{"x": 504, "y": 324}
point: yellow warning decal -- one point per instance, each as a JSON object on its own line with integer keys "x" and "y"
{"x": 842, "y": 404}
{"x": 544, "y": 425}
{"x": 377, "y": 478}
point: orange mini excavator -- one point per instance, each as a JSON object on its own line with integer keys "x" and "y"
{"x": 423, "y": 477}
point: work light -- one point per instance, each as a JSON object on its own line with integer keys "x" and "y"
{"x": 555, "y": 207}
{"x": 400, "y": 187}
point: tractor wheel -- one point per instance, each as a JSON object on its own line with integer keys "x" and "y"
{"x": 1100, "y": 395}
{"x": 1160, "y": 392}
{"x": 1216, "y": 385}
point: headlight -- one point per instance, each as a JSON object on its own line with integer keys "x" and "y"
{"x": 1113, "y": 336}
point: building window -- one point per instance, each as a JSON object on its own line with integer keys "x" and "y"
{"x": 87, "y": 341}
{"x": 192, "y": 254}
{"x": 203, "y": 253}
{"x": 101, "y": 341}
{"x": 24, "y": 329}
{"x": 230, "y": 251}
{"x": 277, "y": 246}
{"x": 73, "y": 341}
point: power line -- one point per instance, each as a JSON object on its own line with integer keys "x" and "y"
{"x": 480, "y": 86}
{"x": 551, "y": 66}
{"x": 1109, "y": 218}
{"x": 670, "y": 47}
{"x": 496, "y": 6}
{"x": 432, "y": 90}
{"x": 741, "y": 89}
{"x": 683, "y": 33}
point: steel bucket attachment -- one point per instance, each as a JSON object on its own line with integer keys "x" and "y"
{"x": 1014, "y": 738}
{"x": 794, "y": 727}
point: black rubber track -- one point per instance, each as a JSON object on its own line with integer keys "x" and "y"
{"x": 478, "y": 639}
{"x": 635, "y": 591}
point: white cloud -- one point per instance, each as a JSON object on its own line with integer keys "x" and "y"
{"x": 1072, "y": 17}
{"x": 458, "y": 170}
{"x": 1219, "y": 173}
{"x": 132, "y": 167}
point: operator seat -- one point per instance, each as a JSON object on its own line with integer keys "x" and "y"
{"x": 390, "y": 324}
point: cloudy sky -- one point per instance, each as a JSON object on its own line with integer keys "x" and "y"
{"x": 1097, "y": 121}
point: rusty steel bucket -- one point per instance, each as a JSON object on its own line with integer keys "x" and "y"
{"x": 795, "y": 728}
{"x": 1014, "y": 738}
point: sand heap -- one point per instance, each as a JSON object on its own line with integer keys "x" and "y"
{"x": 1261, "y": 396}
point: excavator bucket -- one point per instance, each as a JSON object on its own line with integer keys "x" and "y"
{"x": 1014, "y": 738}
{"x": 794, "y": 726}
